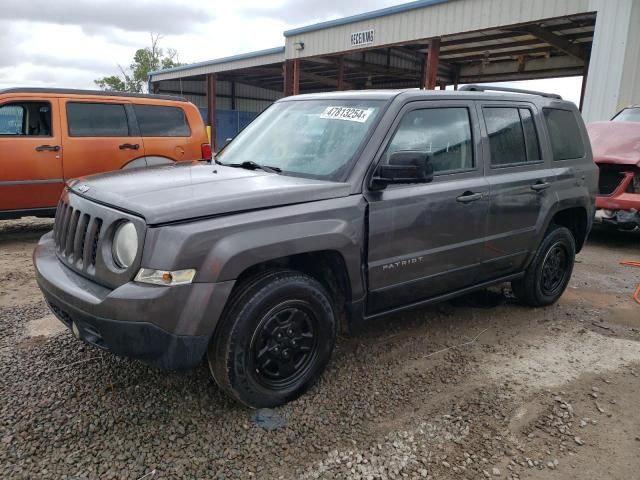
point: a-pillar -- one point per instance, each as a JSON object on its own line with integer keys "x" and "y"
{"x": 211, "y": 108}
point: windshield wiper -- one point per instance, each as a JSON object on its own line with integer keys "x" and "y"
{"x": 251, "y": 165}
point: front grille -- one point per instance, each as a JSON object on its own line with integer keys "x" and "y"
{"x": 82, "y": 234}
{"x": 77, "y": 236}
{"x": 609, "y": 181}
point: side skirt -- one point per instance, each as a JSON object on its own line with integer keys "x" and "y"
{"x": 359, "y": 317}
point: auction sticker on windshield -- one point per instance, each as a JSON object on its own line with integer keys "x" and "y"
{"x": 352, "y": 114}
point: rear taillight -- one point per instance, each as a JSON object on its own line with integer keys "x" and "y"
{"x": 206, "y": 151}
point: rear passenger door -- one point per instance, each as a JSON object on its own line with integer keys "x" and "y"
{"x": 519, "y": 182}
{"x": 166, "y": 134}
{"x": 100, "y": 136}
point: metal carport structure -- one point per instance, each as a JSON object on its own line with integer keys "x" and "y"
{"x": 432, "y": 44}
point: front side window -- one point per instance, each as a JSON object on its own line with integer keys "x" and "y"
{"x": 29, "y": 119}
{"x": 628, "y": 115}
{"x": 566, "y": 140}
{"x": 309, "y": 138}
{"x": 513, "y": 138}
{"x": 97, "y": 120}
{"x": 443, "y": 133}
{"x": 159, "y": 121}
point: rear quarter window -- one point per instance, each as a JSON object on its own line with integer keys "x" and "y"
{"x": 160, "y": 121}
{"x": 564, "y": 132}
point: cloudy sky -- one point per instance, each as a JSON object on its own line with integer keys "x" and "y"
{"x": 69, "y": 43}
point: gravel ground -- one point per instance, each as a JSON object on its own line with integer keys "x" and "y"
{"x": 476, "y": 388}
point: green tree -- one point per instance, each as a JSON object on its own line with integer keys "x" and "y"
{"x": 134, "y": 78}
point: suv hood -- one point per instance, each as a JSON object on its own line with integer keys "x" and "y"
{"x": 615, "y": 142}
{"x": 186, "y": 190}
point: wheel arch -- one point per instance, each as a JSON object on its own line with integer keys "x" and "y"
{"x": 328, "y": 267}
{"x": 575, "y": 219}
{"x": 148, "y": 161}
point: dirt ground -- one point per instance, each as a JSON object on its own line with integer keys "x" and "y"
{"x": 480, "y": 387}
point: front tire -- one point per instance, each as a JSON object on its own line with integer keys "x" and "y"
{"x": 548, "y": 275}
{"x": 276, "y": 337}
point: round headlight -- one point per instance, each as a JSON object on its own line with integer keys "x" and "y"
{"x": 125, "y": 244}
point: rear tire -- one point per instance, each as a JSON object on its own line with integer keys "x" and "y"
{"x": 276, "y": 337}
{"x": 548, "y": 275}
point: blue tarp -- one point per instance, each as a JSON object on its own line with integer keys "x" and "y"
{"x": 229, "y": 123}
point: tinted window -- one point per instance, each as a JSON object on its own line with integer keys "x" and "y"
{"x": 156, "y": 121}
{"x": 97, "y": 120}
{"x": 530, "y": 135}
{"x": 26, "y": 119}
{"x": 628, "y": 115}
{"x": 566, "y": 140}
{"x": 445, "y": 133}
{"x": 506, "y": 136}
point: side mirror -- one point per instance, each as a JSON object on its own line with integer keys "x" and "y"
{"x": 405, "y": 167}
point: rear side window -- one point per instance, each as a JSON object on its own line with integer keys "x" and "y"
{"x": 566, "y": 139}
{"x": 28, "y": 119}
{"x": 158, "y": 121}
{"x": 97, "y": 120}
{"x": 513, "y": 138}
{"x": 445, "y": 133}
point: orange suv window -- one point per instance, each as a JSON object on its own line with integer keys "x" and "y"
{"x": 157, "y": 121}
{"x": 32, "y": 119}
{"x": 97, "y": 120}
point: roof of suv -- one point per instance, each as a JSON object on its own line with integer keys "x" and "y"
{"x": 417, "y": 94}
{"x": 72, "y": 91}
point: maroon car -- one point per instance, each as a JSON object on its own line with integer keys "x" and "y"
{"x": 616, "y": 150}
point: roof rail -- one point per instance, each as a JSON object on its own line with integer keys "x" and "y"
{"x": 485, "y": 88}
{"x": 102, "y": 93}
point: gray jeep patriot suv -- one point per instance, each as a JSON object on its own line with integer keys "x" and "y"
{"x": 326, "y": 211}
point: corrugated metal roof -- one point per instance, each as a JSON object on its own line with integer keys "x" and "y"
{"x": 217, "y": 61}
{"x": 383, "y": 12}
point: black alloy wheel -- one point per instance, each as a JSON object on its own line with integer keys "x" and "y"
{"x": 554, "y": 269}
{"x": 285, "y": 345}
{"x": 548, "y": 275}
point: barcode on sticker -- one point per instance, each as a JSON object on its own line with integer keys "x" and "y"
{"x": 351, "y": 114}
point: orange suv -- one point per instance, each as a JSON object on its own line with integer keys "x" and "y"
{"x": 48, "y": 136}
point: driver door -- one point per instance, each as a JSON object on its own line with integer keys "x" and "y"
{"x": 426, "y": 240}
{"x": 30, "y": 154}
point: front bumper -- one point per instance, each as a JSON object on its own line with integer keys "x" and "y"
{"x": 621, "y": 219}
{"x": 165, "y": 327}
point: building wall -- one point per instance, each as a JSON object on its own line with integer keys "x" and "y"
{"x": 450, "y": 17}
{"x": 248, "y": 98}
{"x": 613, "y": 80}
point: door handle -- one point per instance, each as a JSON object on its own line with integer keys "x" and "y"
{"x": 468, "y": 197}
{"x": 48, "y": 148}
{"x": 129, "y": 146}
{"x": 540, "y": 186}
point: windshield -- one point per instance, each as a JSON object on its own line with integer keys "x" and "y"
{"x": 309, "y": 138}
{"x": 628, "y": 115}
